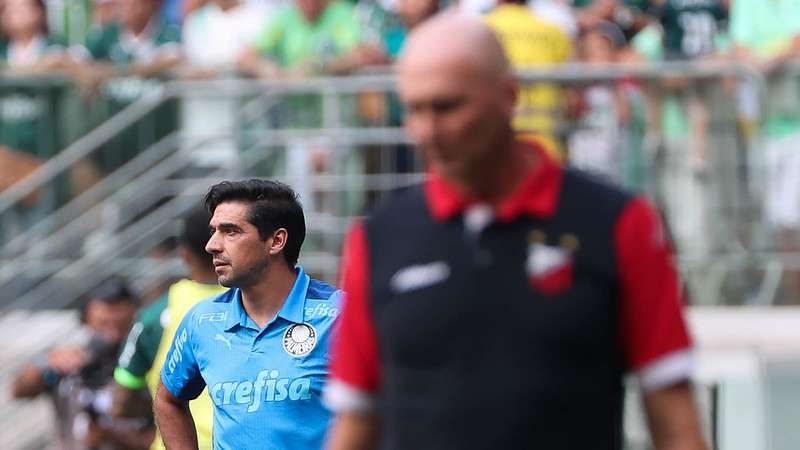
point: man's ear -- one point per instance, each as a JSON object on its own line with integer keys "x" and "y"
{"x": 278, "y": 241}
{"x": 511, "y": 94}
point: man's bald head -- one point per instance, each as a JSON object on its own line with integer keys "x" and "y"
{"x": 453, "y": 39}
{"x": 459, "y": 95}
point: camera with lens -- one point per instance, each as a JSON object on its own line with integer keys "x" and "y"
{"x": 95, "y": 375}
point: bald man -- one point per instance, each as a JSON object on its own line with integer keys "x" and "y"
{"x": 499, "y": 304}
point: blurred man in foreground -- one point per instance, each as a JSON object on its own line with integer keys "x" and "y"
{"x": 79, "y": 378}
{"x": 146, "y": 349}
{"x": 500, "y": 304}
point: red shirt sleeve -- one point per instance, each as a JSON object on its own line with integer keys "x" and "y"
{"x": 355, "y": 354}
{"x": 651, "y": 323}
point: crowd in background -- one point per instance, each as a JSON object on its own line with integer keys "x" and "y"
{"x": 131, "y": 44}
{"x": 610, "y": 128}
{"x": 130, "y": 41}
{"x": 604, "y": 127}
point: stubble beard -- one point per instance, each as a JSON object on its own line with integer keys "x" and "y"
{"x": 244, "y": 278}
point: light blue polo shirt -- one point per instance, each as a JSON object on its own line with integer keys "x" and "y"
{"x": 265, "y": 383}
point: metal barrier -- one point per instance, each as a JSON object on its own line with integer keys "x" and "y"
{"x": 86, "y": 238}
{"x": 726, "y": 249}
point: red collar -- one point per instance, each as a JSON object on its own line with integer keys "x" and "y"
{"x": 537, "y": 194}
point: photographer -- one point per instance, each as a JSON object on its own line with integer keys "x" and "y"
{"x": 78, "y": 377}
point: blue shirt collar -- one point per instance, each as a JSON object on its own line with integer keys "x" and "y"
{"x": 293, "y": 308}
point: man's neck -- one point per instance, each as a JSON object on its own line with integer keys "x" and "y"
{"x": 263, "y": 300}
{"x": 502, "y": 175}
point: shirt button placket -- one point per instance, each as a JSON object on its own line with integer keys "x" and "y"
{"x": 254, "y": 342}
{"x": 477, "y": 219}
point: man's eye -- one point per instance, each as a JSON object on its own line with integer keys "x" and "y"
{"x": 447, "y": 105}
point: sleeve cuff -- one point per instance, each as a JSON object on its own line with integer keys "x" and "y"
{"x": 128, "y": 380}
{"x": 341, "y": 397}
{"x": 167, "y": 382}
{"x": 667, "y": 370}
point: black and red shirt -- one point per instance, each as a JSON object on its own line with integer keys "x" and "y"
{"x": 507, "y": 326}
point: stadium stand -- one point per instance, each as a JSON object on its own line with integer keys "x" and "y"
{"x": 81, "y": 210}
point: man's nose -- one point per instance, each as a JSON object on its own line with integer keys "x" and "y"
{"x": 212, "y": 246}
{"x": 423, "y": 127}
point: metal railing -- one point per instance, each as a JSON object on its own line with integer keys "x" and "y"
{"x": 259, "y": 143}
{"x": 331, "y": 87}
{"x": 54, "y": 248}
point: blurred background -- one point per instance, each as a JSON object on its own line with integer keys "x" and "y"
{"x": 117, "y": 115}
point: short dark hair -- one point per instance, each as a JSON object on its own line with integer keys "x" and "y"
{"x": 273, "y": 205}
{"x": 194, "y": 233}
{"x": 114, "y": 289}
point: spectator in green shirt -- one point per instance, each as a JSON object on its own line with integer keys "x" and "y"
{"x": 126, "y": 58}
{"x": 28, "y": 135}
{"x": 28, "y": 49}
{"x": 138, "y": 45}
{"x": 306, "y": 38}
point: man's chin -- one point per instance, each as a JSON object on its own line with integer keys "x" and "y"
{"x": 448, "y": 169}
{"x": 454, "y": 173}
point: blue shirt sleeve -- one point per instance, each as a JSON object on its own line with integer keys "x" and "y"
{"x": 181, "y": 373}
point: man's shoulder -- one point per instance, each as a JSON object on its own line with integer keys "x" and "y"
{"x": 323, "y": 302}
{"x": 190, "y": 291}
{"x": 321, "y": 291}
{"x": 404, "y": 209}
{"x": 593, "y": 193}
{"x": 217, "y": 302}
{"x": 152, "y": 312}
{"x": 216, "y": 305}
{"x": 598, "y": 184}
{"x": 399, "y": 199}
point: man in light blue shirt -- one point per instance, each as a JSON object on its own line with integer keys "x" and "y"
{"x": 261, "y": 347}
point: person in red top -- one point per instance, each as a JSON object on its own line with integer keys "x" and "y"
{"x": 500, "y": 304}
